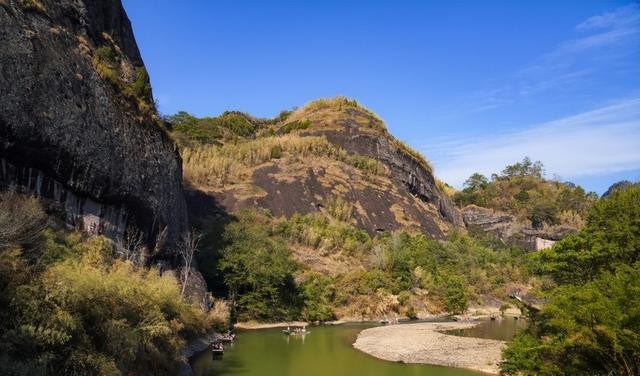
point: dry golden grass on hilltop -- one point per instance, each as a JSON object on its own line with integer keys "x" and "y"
{"x": 215, "y": 166}
{"x": 324, "y": 111}
{"x": 329, "y": 112}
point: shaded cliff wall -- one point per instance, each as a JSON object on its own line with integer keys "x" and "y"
{"x": 403, "y": 167}
{"x": 69, "y": 134}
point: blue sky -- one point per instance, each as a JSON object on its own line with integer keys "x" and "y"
{"x": 473, "y": 85}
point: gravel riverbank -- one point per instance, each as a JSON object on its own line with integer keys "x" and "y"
{"x": 424, "y": 343}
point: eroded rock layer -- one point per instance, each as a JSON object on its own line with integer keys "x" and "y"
{"x": 71, "y": 126}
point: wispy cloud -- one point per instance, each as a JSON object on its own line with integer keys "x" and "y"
{"x": 597, "y": 142}
{"x": 600, "y": 41}
{"x": 620, "y": 18}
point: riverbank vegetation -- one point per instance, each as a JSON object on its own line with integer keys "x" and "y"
{"x": 522, "y": 190}
{"x": 399, "y": 272}
{"x": 70, "y": 306}
{"x": 591, "y": 322}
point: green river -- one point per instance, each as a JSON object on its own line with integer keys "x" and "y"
{"x": 326, "y": 350}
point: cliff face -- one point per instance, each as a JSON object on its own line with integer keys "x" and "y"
{"x": 401, "y": 195}
{"x": 75, "y": 133}
{"x": 404, "y": 169}
{"x": 512, "y": 231}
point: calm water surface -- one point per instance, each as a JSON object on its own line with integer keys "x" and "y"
{"x": 327, "y": 350}
{"x": 503, "y": 330}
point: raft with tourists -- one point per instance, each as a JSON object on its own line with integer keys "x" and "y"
{"x": 296, "y": 331}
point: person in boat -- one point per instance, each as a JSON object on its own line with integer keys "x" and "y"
{"x": 217, "y": 346}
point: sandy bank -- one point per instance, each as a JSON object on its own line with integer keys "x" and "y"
{"x": 259, "y": 325}
{"x": 422, "y": 343}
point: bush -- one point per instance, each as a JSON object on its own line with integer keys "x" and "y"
{"x": 142, "y": 86}
{"x": 294, "y": 126}
{"x": 411, "y": 313}
{"x": 106, "y": 55}
{"x": 21, "y": 219}
{"x": 67, "y": 306}
{"x": 276, "y": 152}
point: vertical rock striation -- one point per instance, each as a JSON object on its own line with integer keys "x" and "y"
{"x": 71, "y": 126}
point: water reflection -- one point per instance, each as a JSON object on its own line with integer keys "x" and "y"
{"x": 503, "y": 329}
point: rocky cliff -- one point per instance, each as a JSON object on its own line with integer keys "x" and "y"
{"x": 511, "y": 231}
{"x": 77, "y": 123}
{"x": 329, "y": 153}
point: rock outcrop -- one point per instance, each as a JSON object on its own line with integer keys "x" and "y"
{"x": 72, "y": 128}
{"x": 617, "y": 186}
{"x": 403, "y": 195}
{"x": 404, "y": 168}
{"x": 512, "y": 231}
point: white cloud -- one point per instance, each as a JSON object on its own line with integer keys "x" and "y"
{"x": 604, "y": 40}
{"x": 621, "y": 17}
{"x": 597, "y": 142}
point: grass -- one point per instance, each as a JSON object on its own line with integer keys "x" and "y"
{"x": 294, "y": 126}
{"x": 338, "y": 104}
{"x": 33, "y": 6}
{"x": 445, "y": 188}
{"x": 216, "y": 166}
{"x": 106, "y": 63}
{"x": 422, "y": 161}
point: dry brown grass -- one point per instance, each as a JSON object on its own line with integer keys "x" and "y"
{"x": 219, "y": 313}
{"x": 327, "y": 111}
{"x": 445, "y": 188}
{"x": 33, "y": 6}
{"x": 216, "y": 166}
{"x": 422, "y": 161}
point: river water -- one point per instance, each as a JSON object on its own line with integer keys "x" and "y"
{"x": 326, "y": 350}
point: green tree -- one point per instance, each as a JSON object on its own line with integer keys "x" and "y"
{"x": 142, "y": 85}
{"x": 591, "y": 322}
{"x": 456, "y": 299}
{"x": 610, "y": 237}
{"x": 258, "y": 271}
{"x": 318, "y": 293}
{"x": 476, "y": 181}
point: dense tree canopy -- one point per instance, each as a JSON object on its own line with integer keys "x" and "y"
{"x": 522, "y": 190}
{"x": 591, "y": 322}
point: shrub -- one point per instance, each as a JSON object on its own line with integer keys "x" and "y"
{"x": 411, "y": 313}
{"x": 21, "y": 219}
{"x": 456, "y": 299}
{"x": 216, "y": 166}
{"x": 106, "y": 55}
{"x": 294, "y": 126}
{"x": 276, "y": 152}
{"x": 67, "y": 306}
{"x": 142, "y": 86}
{"x": 33, "y": 6}
{"x": 339, "y": 103}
